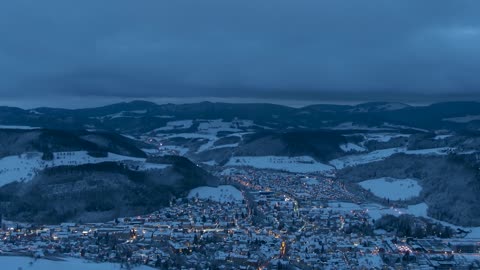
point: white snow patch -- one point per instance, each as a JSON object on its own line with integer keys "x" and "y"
{"x": 232, "y": 145}
{"x": 130, "y": 137}
{"x": 222, "y": 194}
{"x": 442, "y": 137}
{"x": 35, "y": 112}
{"x": 301, "y": 164}
{"x": 354, "y": 160}
{"x": 210, "y": 163}
{"x": 431, "y": 151}
{"x": 209, "y": 144}
{"x": 419, "y": 210}
{"x": 463, "y": 119}
{"x": 403, "y": 127}
{"x": 17, "y": 127}
{"x": 16, "y": 262}
{"x": 475, "y": 233}
{"x": 310, "y": 181}
{"x": 150, "y": 151}
{"x": 229, "y": 171}
{"x": 370, "y": 261}
{"x": 351, "y": 147}
{"x": 393, "y": 189}
{"x": 384, "y": 137}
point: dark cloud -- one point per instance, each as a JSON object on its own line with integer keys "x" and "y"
{"x": 269, "y": 48}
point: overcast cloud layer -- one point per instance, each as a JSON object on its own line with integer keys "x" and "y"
{"x": 251, "y": 49}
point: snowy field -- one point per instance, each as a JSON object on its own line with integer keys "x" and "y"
{"x": 24, "y": 167}
{"x": 354, "y": 160}
{"x": 393, "y": 189}
{"x": 301, "y": 164}
{"x": 17, "y": 127}
{"x": 26, "y": 263}
{"x": 222, "y": 194}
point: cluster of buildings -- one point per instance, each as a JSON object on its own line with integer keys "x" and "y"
{"x": 285, "y": 221}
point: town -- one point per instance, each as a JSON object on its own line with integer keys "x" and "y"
{"x": 280, "y": 220}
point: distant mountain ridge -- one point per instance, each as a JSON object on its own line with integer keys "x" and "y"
{"x": 142, "y": 116}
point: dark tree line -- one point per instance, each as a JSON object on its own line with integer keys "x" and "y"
{"x": 409, "y": 226}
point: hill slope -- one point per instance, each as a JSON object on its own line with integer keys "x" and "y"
{"x": 99, "y": 192}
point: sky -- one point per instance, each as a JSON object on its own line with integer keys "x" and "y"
{"x": 80, "y": 53}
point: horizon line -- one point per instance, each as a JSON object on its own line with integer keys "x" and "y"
{"x": 85, "y": 102}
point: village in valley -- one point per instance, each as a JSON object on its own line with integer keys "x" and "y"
{"x": 266, "y": 212}
{"x": 259, "y": 219}
{"x": 239, "y": 135}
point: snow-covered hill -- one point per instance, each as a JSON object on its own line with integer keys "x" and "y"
{"x": 24, "y": 167}
{"x": 354, "y": 160}
{"x": 16, "y": 262}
